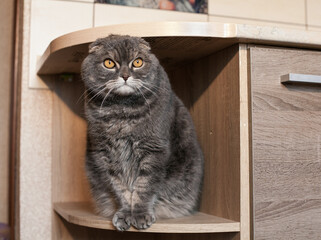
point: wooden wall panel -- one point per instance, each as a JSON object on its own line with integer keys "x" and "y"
{"x": 210, "y": 89}
{"x": 69, "y": 182}
{"x": 69, "y": 142}
{"x": 82, "y": 233}
{"x": 286, "y": 145}
{"x": 6, "y": 67}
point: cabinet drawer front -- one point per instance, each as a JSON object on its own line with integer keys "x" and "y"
{"x": 286, "y": 144}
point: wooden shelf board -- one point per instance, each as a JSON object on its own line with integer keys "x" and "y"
{"x": 172, "y": 42}
{"x": 82, "y": 213}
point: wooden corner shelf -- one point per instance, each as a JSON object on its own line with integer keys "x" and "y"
{"x": 172, "y": 42}
{"x": 207, "y": 69}
{"x": 82, "y": 213}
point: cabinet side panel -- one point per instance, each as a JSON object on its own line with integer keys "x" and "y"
{"x": 69, "y": 181}
{"x": 210, "y": 89}
{"x": 245, "y": 161}
{"x": 6, "y": 57}
{"x": 286, "y": 145}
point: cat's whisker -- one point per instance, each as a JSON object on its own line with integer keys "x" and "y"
{"x": 106, "y": 87}
{"x": 84, "y": 95}
{"x": 117, "y": 85}
{"x": 150, "y": 85}
{"x": 110, "y": 84}
{"x": 157, "y": 87}
{"x": 105, "y": 98}
{"x": 142, "y": 85}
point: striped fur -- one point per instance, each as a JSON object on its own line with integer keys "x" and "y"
{"x": 143, "y": 159}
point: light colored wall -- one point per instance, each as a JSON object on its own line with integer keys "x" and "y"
{"x": 106, "y": 14}
{"x": 43, "y": 21}
{"x": 279, "y": 13}
{"x": 299, "y": 14}
{"x": 313, "y": 15}
{"x": 6, "y": 44}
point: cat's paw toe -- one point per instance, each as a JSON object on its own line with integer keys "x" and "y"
{"x": 143, "y": 220}
{"x": 121, "y": 221}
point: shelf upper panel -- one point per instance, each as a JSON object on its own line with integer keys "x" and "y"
{"x": 172, "y": 42}
{"x": 82, "y": 214}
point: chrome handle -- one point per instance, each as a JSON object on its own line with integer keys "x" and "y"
{"x": 300, "y": 78}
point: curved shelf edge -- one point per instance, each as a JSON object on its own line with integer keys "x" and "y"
{"x": 81, "y": 213}
{"x": 74, "y": 45}
{"x": 148, "y": 29}
{"x": 65, "y": 53}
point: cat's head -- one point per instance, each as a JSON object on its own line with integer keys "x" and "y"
{"x": 121, "y": 65}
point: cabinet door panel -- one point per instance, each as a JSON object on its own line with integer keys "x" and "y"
{"x": 286, "y": 144}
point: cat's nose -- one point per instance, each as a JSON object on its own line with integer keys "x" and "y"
{"x": 125, "y": 77}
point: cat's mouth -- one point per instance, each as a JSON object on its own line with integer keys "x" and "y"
{"x": 124, "y": 90}
{"x": 124, "y": 87}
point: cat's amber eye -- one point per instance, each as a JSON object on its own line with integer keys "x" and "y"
{"x": 138, "y": 62}
{"x": 108, "y": 63}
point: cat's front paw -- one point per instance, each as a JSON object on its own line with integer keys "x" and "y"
{"x": 121, "y": 220}
{"x": 143, "y": 220}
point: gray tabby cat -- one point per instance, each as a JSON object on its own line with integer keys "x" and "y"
{"x": 143, "y": 159}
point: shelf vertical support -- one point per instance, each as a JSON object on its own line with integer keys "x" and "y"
{"x": 244, "y": 144}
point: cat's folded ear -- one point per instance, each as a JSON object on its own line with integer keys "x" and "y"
{"x": 143, "y": 44}
{"x": 96, "y": 46}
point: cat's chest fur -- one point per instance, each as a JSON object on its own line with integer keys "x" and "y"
{"x": 127, "y": 146}
{"x": 126, "y": 126}
{"x": 124, "y": 154}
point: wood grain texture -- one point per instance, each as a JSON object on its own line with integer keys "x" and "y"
{"x": 290, "y": 136}
{"x": 69, "y": 142}
{"x": 82, "y": 233}
{"x": 6, "y": 62}
{"x": 69, "y": 182}
{"x": 289, "y": 219}
{"x": 55, "y": 52}
{"x": 209, "y": 87}
{"x": 171, "y": 51}
{"x": 83, "y": 214}
{"x": 65, "y": 53}
{"x": 245, "y": 207}
{"x": 287, "y": 181}
{"x": 286, "y": 145}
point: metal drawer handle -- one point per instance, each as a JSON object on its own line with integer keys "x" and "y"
{"x": 300, "y": 78}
